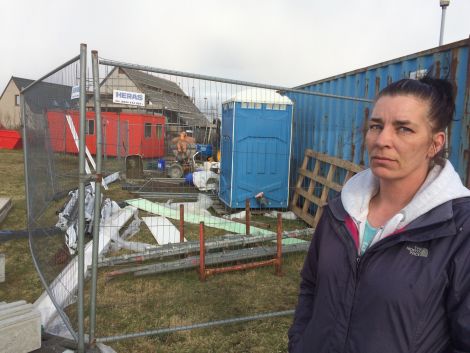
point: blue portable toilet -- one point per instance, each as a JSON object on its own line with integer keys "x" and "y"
{"x": 255, "y": 149}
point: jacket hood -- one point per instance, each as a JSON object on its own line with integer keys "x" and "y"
{"x": 442, "y": 184}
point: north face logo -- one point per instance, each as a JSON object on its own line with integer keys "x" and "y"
{"x": 418, "y": 251}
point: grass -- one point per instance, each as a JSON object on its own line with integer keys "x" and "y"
{"x": 21, "y": 279}
{"x": 130, "y": 304}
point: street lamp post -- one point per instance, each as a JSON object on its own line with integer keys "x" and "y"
{"x": 444, "y": 4}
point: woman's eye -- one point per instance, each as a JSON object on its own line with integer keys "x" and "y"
{"x": 404, "y": 129}
{"x": 375, "y": 127}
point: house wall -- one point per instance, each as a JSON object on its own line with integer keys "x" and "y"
{"x": 9, "y": 112}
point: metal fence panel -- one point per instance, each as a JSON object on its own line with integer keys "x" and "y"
{"x": 50, "y": 175}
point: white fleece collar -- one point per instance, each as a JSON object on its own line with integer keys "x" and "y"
{"x": 441, "y": 185}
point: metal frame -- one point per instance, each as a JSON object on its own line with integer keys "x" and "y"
{"x": 97, "y": 209}
{"x": 28, "y": 209}
{"x": 197, "y": 326}
{"x": 83, "y": 179}
{"x": 281, "y": 89}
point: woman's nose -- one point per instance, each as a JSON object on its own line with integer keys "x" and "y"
{"x": 384, "y": 137}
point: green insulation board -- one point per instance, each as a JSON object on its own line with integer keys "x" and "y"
{"x": 209, "y": 220}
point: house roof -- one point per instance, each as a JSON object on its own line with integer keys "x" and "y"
{"x": 168, "y": 94}
{"x": 21, "y": 82}
{"x": 44, "y": 94}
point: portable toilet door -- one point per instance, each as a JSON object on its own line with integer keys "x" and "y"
{"x": 226, "y": 142}
{"x": 256, "y": 149}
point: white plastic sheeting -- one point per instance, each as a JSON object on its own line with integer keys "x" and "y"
{"x": 162, "y": 230}
{"x": 65, "y": 285}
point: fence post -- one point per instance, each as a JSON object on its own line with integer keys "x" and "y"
{"x": 279, "y": 244}
{"x": 81, "y": 201}
{"x": 181, "y": 223}
{"x": 97, "y": 208}
{"x": 202, "y": 253}
{"x": 247, "y": 216}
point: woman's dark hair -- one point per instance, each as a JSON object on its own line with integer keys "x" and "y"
{"x": 438, "y": 92}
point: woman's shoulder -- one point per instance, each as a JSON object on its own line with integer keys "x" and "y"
{"x": 461, "y": 207}
{"x": 461, "y": 214}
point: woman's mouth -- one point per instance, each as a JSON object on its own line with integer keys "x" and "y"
{"x": 382, "y": 159}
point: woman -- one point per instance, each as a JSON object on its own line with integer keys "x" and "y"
{"x": 388, "y": 269}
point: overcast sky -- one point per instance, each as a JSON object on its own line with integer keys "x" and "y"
{"x": 279, "y": 42}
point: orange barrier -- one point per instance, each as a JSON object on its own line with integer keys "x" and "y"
{"x": 10, "y": 139}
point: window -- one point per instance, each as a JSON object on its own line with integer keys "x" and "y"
{"x": 269, "y": 106}
{"x": 258, "y": 105}
{"x": 159, "y": 131}
{"x": 90, "y": 127}
{"x": 275, "y": 106}
{"x": 17, "y": 99}
{"x": 283, "y": 106}
{"x": 148, "y": 130}
{"x": 244, "y": 105}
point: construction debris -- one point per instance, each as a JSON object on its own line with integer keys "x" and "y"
{"x": 210, "y": 259}
{"x": 65, "y": 284}
{"x": 5, "y": 207}
{"x": 162, "y": 230}
{"x": 222, "y": 242}
{"x": 206, "y": 180}
{"x": 2, "y": 268}
{"x": 194, "y": 218}
{"x": 285, "y": 215}
{"x": 199, "y": 207}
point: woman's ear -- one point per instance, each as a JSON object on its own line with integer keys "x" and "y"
{"x": 438, "y": 141}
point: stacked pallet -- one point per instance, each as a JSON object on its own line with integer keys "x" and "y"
{"x": 314, "y": 184}
{"x": 20, "y": 327}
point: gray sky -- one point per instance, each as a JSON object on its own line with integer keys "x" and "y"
{"x": 280, "y": 42}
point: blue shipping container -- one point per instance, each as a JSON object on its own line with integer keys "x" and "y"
{"x": 337, "y": 126}
{"x": 255, "y": 150}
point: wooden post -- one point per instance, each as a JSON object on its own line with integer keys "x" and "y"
{"x": 279, "y": 245}
{"x": 247, "y": 216}
{"x": 202, "y": 253}
{"x": 181, "y": 223}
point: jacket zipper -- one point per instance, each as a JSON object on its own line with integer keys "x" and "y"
{"x": 357, "y": 261}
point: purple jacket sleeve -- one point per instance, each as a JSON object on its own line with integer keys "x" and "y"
{"x": 458, "y": 302}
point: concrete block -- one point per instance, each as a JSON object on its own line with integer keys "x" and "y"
{"x": 2, "y": 268}
{"x": 20, "y": 327}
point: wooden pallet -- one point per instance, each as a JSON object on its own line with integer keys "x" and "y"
{"x": 309, "y": 180}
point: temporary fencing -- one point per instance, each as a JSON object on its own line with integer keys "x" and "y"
{"x": 50, "y": 175}
{"x": 196, "y": 234}
{"x": 210, "y": 245}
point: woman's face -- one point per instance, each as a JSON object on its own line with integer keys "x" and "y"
{"x": 400, "y": 140}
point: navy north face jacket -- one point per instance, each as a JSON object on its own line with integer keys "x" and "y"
{"x": 409, "y": 292}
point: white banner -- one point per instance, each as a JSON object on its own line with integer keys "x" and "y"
{"x": 132, "y": 98}
{"x": 75, "y": 92}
